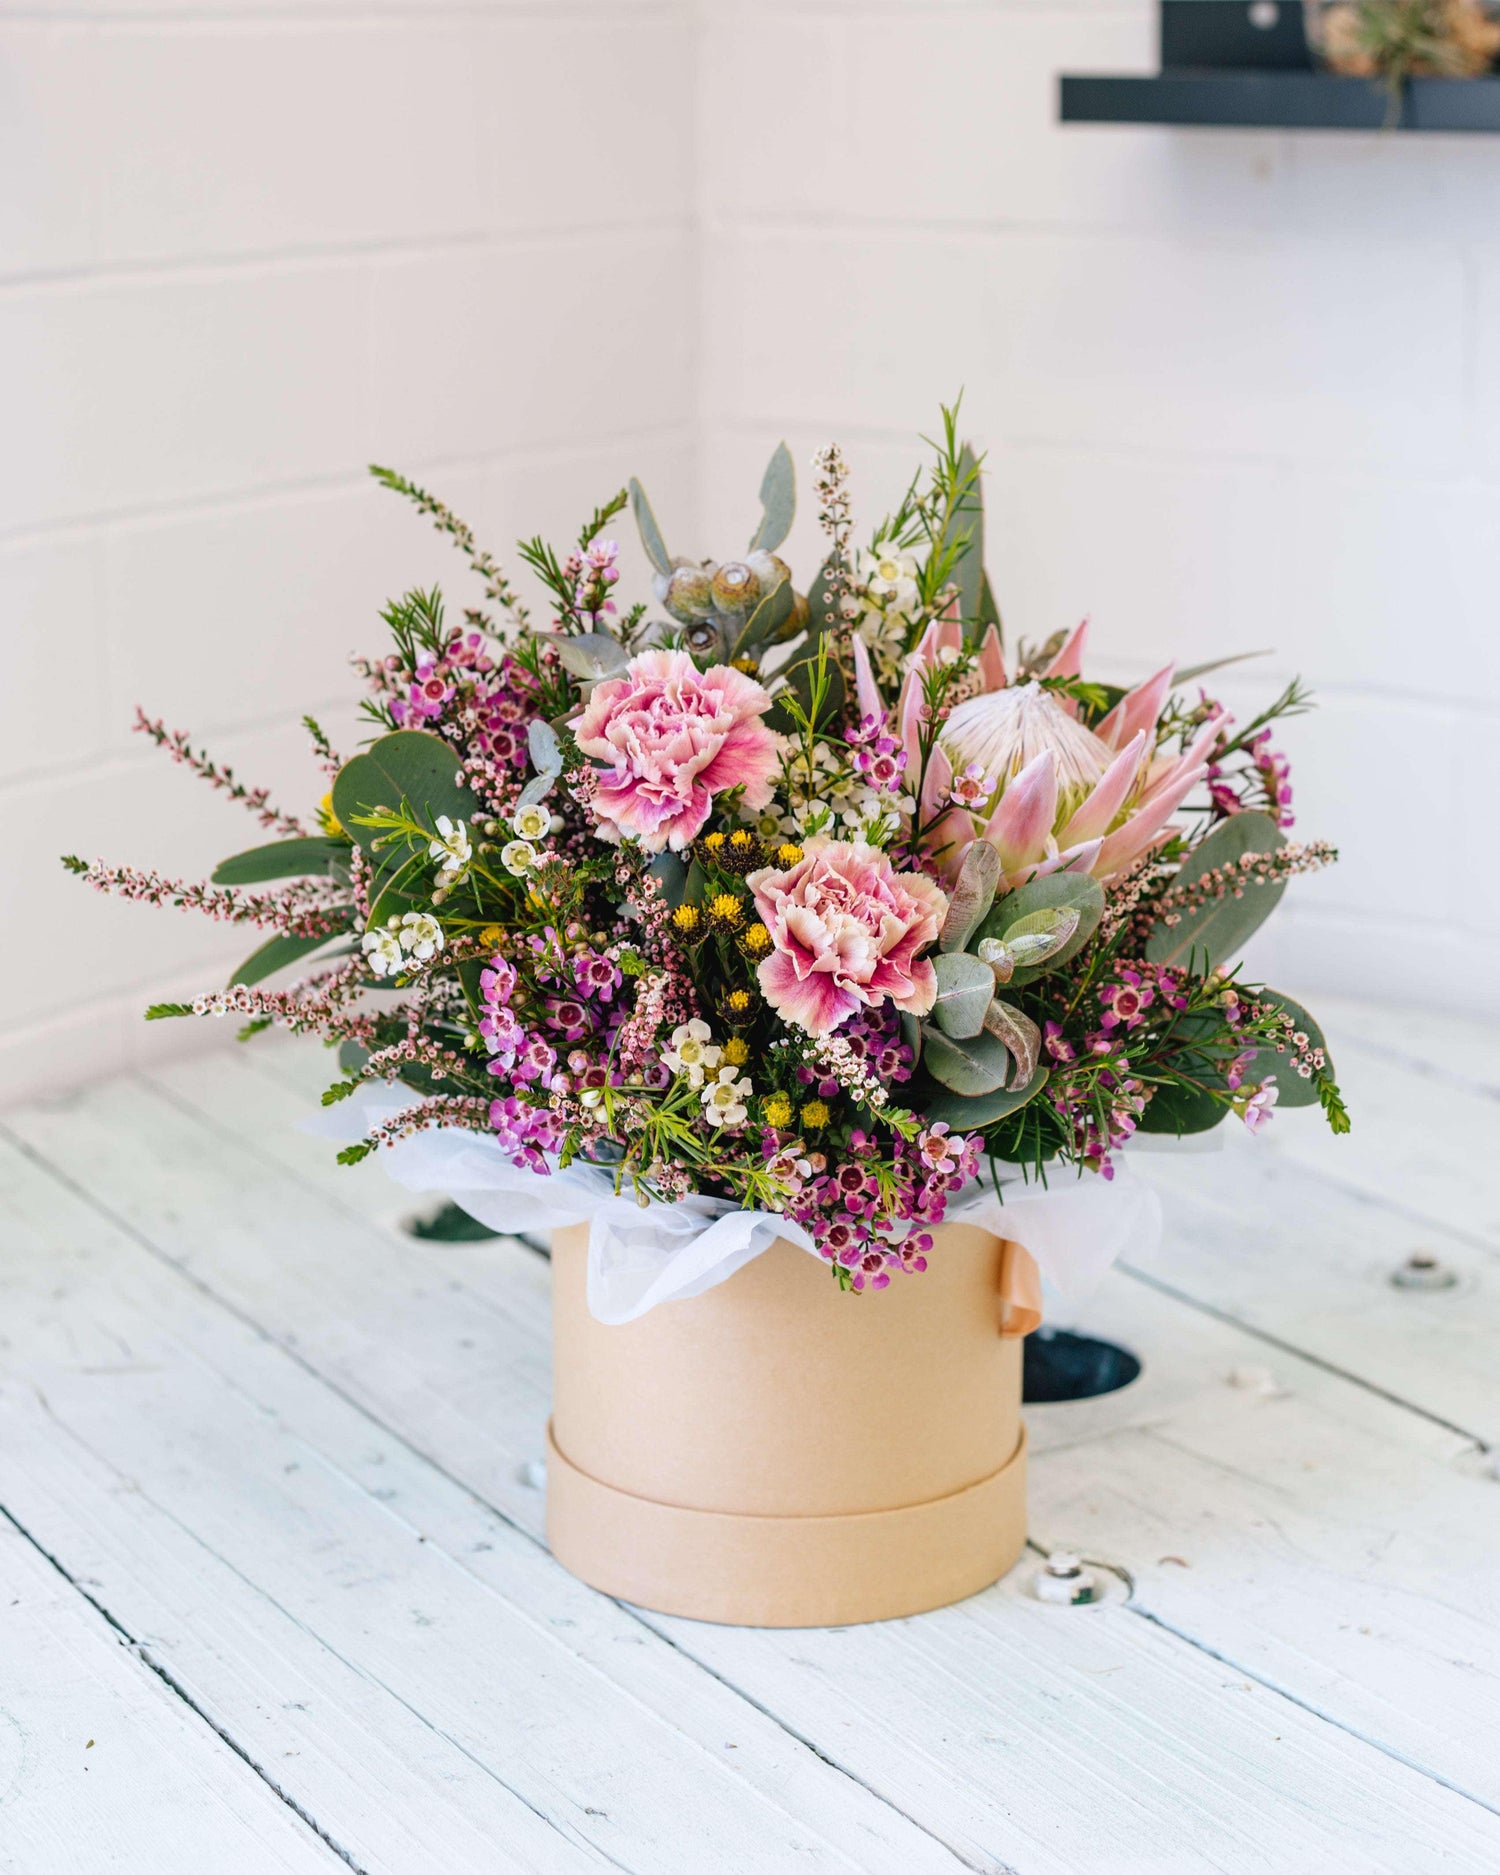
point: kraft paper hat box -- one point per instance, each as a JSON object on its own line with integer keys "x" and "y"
{"x": 778, "y": 1454}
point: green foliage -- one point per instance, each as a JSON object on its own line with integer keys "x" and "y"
{"x": 591, "y": 656}
{"x": 822, "y": 600}
{"x": 257, "y": 1025}
{"x": 281, "y": 859}
{"x": 972, "y": 1112}
{"x": 448, "y": 1224}
{"x": 352, "y": 1056}
{"x": 1216, "y": 932}
{"x": 275, "y": 954}
{"x": 671, "y": 869}
{"x": 965, "y": 987}
{"x": 1074, "y": 891}
{"x": 351, "y": 1155}
{"x": 408, "y": 765}
{"x": 978, "y": 1064}
{"x": 651, "y": 538}
{"x": 161, "y": 1012}
{"x": 600, "y": 519}
{"x": 778, "y": 500}
{"x": 766, "y": 621}
{"x": 967, "y": 532}
{"x": 543, "y": 747}
{"x": 813, "y": 692}
{"x": 1178, "y": 1109}
{"x": 1291, "y": 1089}
{"x": 973, "y": 895}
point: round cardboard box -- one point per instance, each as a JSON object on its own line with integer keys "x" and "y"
{"x": 774, "y": 1453}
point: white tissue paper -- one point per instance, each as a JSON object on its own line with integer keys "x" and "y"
{"x": 642, "y": 1255}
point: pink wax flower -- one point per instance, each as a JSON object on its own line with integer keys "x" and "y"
{"x": 846, "y": 931}
{"x": 675, "y": 737}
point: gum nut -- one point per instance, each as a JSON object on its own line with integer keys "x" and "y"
{"x": 768, "y": 569}
{"x": 736, "y": 588}
{"x": 689, "y": 594}
{"x": 703, "y": 640}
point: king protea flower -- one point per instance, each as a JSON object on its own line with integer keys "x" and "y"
{"x": 1065, "y": 797}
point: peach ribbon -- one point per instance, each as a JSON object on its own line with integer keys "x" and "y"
{"x": 1020, "y": 1291}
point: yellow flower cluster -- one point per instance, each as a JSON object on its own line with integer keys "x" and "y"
{"x": 739, "y": 1002}
{"x": 687, "y": 919}
{"x": 726, "y": 911}
{"x": 776, "y": 1110}
{"x": 816, "y": 1113}
{"x": 736, "y": 1051}
{"x": 756, "y": 941}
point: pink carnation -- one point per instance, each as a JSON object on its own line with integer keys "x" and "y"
{"x": 846, "y": 931}
{"x": 675, "y": 738}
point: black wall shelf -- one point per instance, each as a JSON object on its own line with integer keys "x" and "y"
{"x": 1244, "y": 64}
{"x": 1280, "y": 100}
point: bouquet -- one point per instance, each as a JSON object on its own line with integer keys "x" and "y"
{"x": 823, "y": 902}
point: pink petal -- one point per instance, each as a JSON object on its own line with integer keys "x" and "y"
{"x": 1069, "y": 661}
{"x": 1073, "y": 859}
{"x": 815, "y": 1002}
{"x": 1020, "y": 825}
{"x": 1137, "y": 709}
{"x": 1127, "y": 843}
{"x": 865, "y": 687}
{"x": 937, "y": 783}
{"x": 1109, "y": 794}
{"x": 991, "y": 660}
{"x": 947, "y": 840}
{"x": 1164, "y": 773}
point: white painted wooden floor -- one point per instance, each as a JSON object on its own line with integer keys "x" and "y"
{"x": 273, "y": 1594}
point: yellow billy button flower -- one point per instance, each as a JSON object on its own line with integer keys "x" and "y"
{"x": 776, "y": 1110}
{"x": 492, "y": 934}
{"x": 713, "y": 845}
{"x": 739, "y": 1003}
{"x": 788, "y": 854}
{"x": 736, "y": 1051}
{"x": 687, "y": 919}
{"x": 725, "y": 910}
{"x": 756, "y": 941}
{"x": 816, "y": 1113}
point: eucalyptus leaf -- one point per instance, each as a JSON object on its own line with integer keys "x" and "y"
{"x": 536, "y": 790}
{"x": 1073, "y": 891}
{"x": 1217, "y": 932}
{"x": 968, "y": 525}
{"x": 352, "y": 1056}
{"x": 281, "y": 859}
{"x": 911, "y": 1034}
{"x": 593, "y": 656}
{"x": 1180, "y": 1110}
{"x": 1291, "y": 1089}
{"x": 672, "y": 871}
{"x": 973, "y": 895}
{"x": 275, "y": 954}
{"x": 1215, "y": 664}
{"x": 645, "y": 520}
{"x": 544, "y": 747}
{"x": 978, "y": 1064}
{"x": 410, "y": 765}
{"x": 1041, "y": 934}
{"x": 778, "y": 499}
{"x": 1020, "y": 1035}
{"x": 968, "y": 1113}
{"x": 767, "y": 619}
{"x": 964, "y": 989}
{"x": 822, "y": 608}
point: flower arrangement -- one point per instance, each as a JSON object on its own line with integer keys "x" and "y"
{"x": 818, "y": 902}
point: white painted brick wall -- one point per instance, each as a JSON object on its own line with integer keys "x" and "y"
{"x": 1237, "y": 390}
{"x": 244, "y": 250}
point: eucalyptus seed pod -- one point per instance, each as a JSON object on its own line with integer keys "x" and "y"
{"x": 704, "y": 640}
{"x": 769, "y": 568}
{"x": 736, "y": 589}
{"x": 687, "y": 592}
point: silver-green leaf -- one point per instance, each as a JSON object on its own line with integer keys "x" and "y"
{"x": 778, "y": 499}
{"x": 544, "y": 747}
{"x": 964, "y": 988}
{"x": 973, "y": 895}
{"x": 1020, "y": 1035}
{"x": 645, "y": 520}
{"x": 593, "y": 656}
{"x": 1217, "y": 932}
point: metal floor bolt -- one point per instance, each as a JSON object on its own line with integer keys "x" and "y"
{"x": 1063, "y": 1579}
{"x": 1423, "y": 1270}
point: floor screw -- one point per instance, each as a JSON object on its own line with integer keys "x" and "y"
{"x": 1063, "y": 1578}
{"x": 1423, "y": 1270}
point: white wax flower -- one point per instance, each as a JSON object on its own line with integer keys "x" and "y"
{"x": 421, "y": 934}
{"x": 452, "y": 849}
{"x": 519, "y": 857}
{"x": 532, "y": 822}
{"x": 382, "y": 948}
{"x": 693, "y": 1052}
{"x": 724, "y": 1098}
